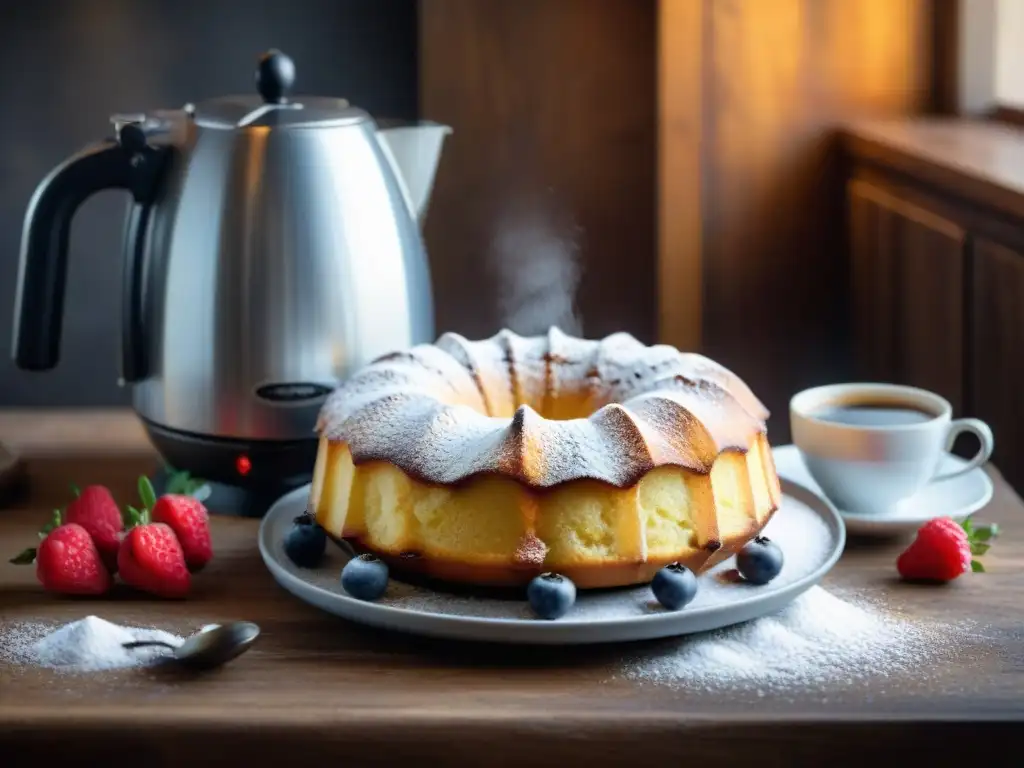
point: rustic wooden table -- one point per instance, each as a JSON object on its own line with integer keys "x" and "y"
{"x": 316, "y": 687}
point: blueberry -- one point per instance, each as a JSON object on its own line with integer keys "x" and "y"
{"x": 365, "y": 577}
{"x": 551, "y": 595}
{"x": 759, "y": 561}
{"x": 674, "y": 586}
{"x": 305, "y": 542}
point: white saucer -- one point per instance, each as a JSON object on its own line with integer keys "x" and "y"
{"x": 806, "y": 527}
{"x": 957, "y": 498}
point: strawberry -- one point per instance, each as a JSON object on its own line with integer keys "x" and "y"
{"x": 188, "y": 518}
{"x": 944, "y": 549}
{"x": 68, "y": 562}
{"x": 185, "y": 515}
{"x": 97, "y": 512}
{"x": 151, "y": 559}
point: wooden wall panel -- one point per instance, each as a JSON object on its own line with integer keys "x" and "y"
{"x": 931, "y": 263}
{"x": 909, "y": 274}
{"x": 755, "y": 266}
{"x": 784, "y": 74}
{"x": 872, "y": 283}
{"x": 997, "y": 337}
{"x": 683, "y": 149}
{"x": 681, "y": 114}
{"x": 546, "y": 195}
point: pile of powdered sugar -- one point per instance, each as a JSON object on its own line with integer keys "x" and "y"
{"x": 87, "y": 645}
{"x": 818, "y": 638}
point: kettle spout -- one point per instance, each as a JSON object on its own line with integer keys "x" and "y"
{"x": 414, "y": 150}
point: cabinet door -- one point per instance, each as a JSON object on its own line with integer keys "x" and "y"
{"x": 908, "y": 283}
{"x": 873, "y": 274}
{"x": 997, "y": 336}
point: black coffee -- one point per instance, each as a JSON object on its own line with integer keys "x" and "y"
{"x": 873, "y": 415}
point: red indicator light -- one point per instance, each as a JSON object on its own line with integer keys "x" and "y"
{"x": 243, "y": 465}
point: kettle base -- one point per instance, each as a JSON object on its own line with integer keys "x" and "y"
{"x": 228, "y": 500}
{"x": 244, "y": 477}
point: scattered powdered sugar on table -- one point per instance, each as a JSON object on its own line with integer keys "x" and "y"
{"x": 87, "y": 645}
{"x": 803, "y": 535}
{"x": 818, "y": 638}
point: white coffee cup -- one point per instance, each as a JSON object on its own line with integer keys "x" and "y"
{"x": 870, "y": 468}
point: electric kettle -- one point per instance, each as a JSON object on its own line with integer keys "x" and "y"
{"x": 272, "y": 247}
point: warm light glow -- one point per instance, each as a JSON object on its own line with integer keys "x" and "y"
{"x": 1009, "y": 53}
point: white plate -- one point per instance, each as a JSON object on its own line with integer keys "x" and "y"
{"x": 806, "y": 526}
{"x": 957, "y": 498}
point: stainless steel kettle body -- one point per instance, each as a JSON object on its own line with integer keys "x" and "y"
{"x": 272, "y": 247}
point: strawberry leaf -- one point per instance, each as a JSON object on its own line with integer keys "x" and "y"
{"x": 979, "y": 536}
{"x": 177, "y": 482}
{"x": 134, "y": 517}
{"x": 985, "y": 532}
{"x": 55, "y": 522}
{"x": 146, "y": 493}
{"x": 75, "y": 490}
{"x": 180, "y": 482}
{"x": 27, "y": 557}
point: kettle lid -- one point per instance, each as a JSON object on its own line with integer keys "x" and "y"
{"x": 271, "y": 107}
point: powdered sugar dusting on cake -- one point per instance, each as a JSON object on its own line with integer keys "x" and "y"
{"x": 527, "y": 367}
{"x": 572, "y": 368}
{"x": 447, "y": 411}
{"x": 531, "y": 550}
{"x": 488, "y": 368}
{"x": 705, "y": 369}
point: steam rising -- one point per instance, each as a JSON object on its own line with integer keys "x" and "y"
{"x": 538, "y": 267}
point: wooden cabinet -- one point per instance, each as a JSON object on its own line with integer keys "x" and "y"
{"x": 997, "y": 341}
{"x": 908, "y": 270}
{"x": 935, "y": 225}
{"x": 872, "y": 277}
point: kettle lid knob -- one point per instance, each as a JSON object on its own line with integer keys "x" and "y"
{"x": 275, "y": 76}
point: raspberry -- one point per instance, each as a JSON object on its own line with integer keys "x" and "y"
{"x": 944, "y": 550}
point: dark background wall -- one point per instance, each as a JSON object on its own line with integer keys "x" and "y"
{"x": 684, "y": 149}
{"x": 68, "y": 64}
{"x": 668, "y": 169}
{"x": 546, "y": 198}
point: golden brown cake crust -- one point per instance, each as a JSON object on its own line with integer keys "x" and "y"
{"x": 487, "y": 463}
{"x": 597, "y": 575}
{"x": 542, "y": 410}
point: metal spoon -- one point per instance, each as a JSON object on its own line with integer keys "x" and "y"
{"x": 211, "y": 646}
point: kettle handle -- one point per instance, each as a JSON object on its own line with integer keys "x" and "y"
{"x": 124, "y": 163}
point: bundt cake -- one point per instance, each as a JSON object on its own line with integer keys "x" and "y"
{"x": 489, "y": 462}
